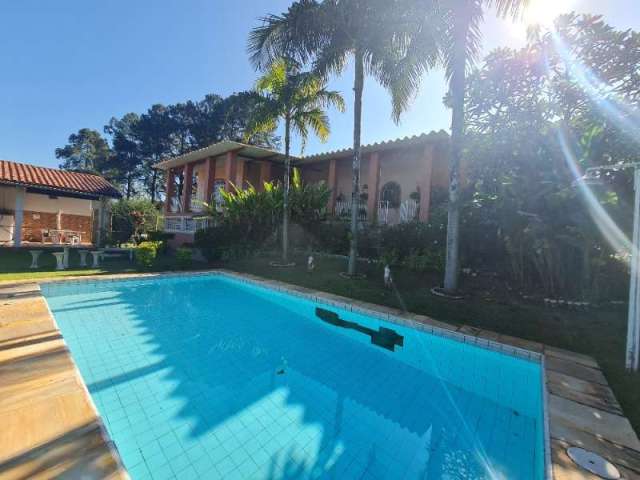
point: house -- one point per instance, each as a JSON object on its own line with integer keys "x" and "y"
{"x": 46, "y": 205}
{"x": 398, "y": 178}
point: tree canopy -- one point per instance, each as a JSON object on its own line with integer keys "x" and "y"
{"x": 135, "y": 142}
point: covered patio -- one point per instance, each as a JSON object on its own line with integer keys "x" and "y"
{"x": 49, "y": 207}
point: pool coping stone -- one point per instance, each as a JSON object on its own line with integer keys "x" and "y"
{"x": 581, "y": 409}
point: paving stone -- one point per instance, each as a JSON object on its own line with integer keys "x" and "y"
{"x": 565, "y": 469}
{"x": 576, "y": 370}
{"x": 521, "y": 343}
{"x": 614, "y": 428}
{"x": 585, "y": 360}
{"x": 616, "y": 454}
{"x": 49, "y": 427}
{"x": 588, "y": 393}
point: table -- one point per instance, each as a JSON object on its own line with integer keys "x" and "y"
{"x": 59, "y": 235}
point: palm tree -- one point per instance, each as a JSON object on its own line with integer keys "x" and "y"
{"x": 460, "y": 48}
{"x": 328, "y": 33}
{"x": 298, "y": 98}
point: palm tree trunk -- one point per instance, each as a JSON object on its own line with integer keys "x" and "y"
{"x": 459, "y": 62}
{"x": 358, "y": 85}
{"x": 285, "y": 200}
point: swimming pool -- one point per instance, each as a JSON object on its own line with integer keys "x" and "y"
{"x": 207, "y": 376}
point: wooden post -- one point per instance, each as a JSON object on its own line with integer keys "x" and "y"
{"x": 425, "y": 182}
{"x": 18, "y": 217}
{"x": 374, "y": 186}
{"x": 332, "y": 184}
{"x": 187, "y": 182}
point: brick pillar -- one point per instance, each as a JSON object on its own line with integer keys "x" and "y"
{"x": 241, "y": 166}
{"x": 230, "y": 169}
{"x": 187, "y": 181}
{"x": 171, "y": 181}
{"x": 333, "y": 185}
{"x": 210, "y": 169}
{"x": 425, "y": 182}
{"x": 265, "y": 174}
{"x": 374, "y": 186}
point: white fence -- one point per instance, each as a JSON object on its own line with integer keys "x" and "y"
{"x": 184, "y": 224}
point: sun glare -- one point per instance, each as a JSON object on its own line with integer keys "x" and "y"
{"x": 543, "y": 13}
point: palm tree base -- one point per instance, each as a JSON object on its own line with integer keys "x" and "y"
{"x": 442, "y": 293}
{"x": 282, "y": 265}
{"x": 356, "y": 276}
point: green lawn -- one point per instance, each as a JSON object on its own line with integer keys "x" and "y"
{"x": 598, "y": 332}
{"x": 14, "y": 265}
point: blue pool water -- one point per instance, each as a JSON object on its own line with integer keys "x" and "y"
{"x": 210, "y": 377}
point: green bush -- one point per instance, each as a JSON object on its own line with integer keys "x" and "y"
{"x": 416, "y": 245}
{"x": 184, "y": 257}
{"x": 162, "y": 238}
{"x": 146, "y": 254}
{"x": 328, "y": 237}
{"x": 132, "y": 219}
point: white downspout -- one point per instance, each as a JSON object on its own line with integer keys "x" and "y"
{"x": 633, "y": 332}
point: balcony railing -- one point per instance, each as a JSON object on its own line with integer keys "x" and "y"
{"x": 184, "y": 224}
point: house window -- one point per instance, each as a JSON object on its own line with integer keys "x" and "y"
{"x": 195, "y": 202}
{"x": 218, "y": 185}
{"x": 176, "y": 198}
{"x": 391, "y": 193}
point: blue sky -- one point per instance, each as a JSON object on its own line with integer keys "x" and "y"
{"x": 70, "y": 64}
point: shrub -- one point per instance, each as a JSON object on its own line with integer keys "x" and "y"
{"x": 132, "y": 219}
{"x": 413, "y": 240}
{"x": 184, "y": 257}
{"x": 329, "y": 237}
{"x": 162, "y": 238}
{"x": 146, "y": 254}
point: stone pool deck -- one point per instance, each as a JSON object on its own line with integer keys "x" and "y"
{"x": 49, "y": 427}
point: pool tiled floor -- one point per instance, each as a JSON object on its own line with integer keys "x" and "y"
{"x": 55, "y": 433}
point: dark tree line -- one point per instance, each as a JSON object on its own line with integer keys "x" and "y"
{"x": 129, "y": 146}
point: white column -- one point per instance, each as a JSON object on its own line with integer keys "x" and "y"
{"x": 18, "y": 217}
{"x": 633, "y": 331}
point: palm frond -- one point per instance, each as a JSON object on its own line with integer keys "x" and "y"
{"x": 295, "y": 34}
{"x": 510, "y": 8}
{"x": 462, "y": 34}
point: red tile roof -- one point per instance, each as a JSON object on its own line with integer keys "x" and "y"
{"x": 13, "y": 173}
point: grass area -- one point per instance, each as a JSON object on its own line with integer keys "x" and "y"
{"x": 14, "y": 265}
{"x": 598, "y": 332}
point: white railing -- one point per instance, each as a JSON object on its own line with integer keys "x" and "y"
{"x": 342, "y": 210}
{"x": 184, "y": 224}
{"x": 408, "y": 211}
{"x": 383, "y": 212}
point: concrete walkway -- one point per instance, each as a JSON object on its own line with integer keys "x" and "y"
{"x": 50, "y": 428}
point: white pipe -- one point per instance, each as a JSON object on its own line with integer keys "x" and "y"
{"x": 633, "y": 331}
